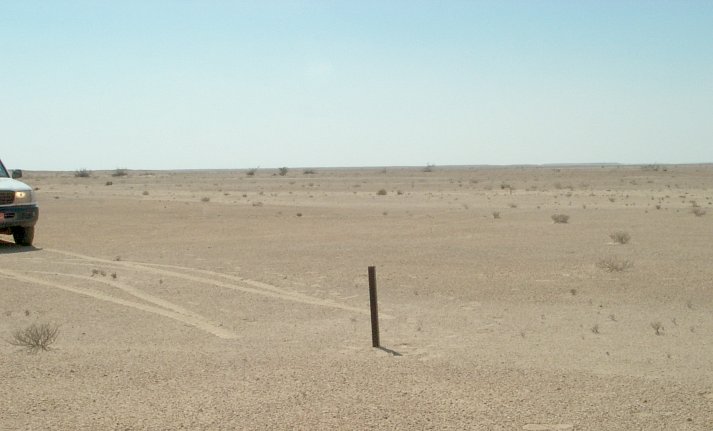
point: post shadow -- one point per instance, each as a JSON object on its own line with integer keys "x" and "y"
{"x": 389, "y": 351}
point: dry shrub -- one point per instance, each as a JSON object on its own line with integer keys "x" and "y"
{"x": 82, "y": 173}
{"x": 698, "y": 212}
{"x": 614, "y": 264}
{"x": 35, "y": 337}
{"x": 381, "y": 192}
{"x": 620, "y": 237}
{"x": 496, "y": 214}
{"x": 560, "y": 218}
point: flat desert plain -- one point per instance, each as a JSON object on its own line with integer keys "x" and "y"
{"x": 215, "y": 300}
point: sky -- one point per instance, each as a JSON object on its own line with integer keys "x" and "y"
{"x": 239, "y": 84}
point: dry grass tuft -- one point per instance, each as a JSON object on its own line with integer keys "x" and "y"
{"x": 658, "y": 327}
{"x": 35, "y": 337}
{"x": 381, "y": 192}
{"x": 613, "y": 264}
{"x": 560, "y": 218}
{"x": 620, "y": 237}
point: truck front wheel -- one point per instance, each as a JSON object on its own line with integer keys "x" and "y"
{"x": 23, "y": 235}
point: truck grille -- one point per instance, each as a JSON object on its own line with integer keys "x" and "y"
{"x": 6, "y": 197}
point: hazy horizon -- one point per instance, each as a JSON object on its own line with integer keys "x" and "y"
{"x": 299, "y": 169}
{"x": 166, "y": 85}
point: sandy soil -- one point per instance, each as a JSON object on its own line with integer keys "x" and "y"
{"x": 216, "y": 300}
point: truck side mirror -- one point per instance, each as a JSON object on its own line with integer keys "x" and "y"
{"x": 17, "y": 173}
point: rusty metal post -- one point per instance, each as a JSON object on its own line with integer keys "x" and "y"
{"x": 374, "y": 308}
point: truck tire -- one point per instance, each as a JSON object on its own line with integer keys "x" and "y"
{"x": 24, "y": 235}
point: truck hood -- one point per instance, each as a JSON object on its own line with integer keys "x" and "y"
{"x": 13, "y": 185}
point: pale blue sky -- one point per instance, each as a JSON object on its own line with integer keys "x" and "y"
{"x": 222, "y": 84}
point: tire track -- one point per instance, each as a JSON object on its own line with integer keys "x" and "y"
{"x": 257, "y": 284}
{"x": 183, "y": 318}
{"x": 257, "y": 288}
{"x": 131, "y": 291}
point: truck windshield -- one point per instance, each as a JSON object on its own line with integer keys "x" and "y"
{"x": 3, "y": 171}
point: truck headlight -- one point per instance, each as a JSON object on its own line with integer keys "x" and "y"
{"x": 23, "y": 197}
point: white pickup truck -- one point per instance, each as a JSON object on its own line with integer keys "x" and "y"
{"x": 18, "y": 208}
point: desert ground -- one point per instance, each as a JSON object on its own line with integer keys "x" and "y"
{"x": 218, "y": 300}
